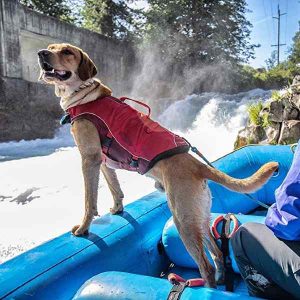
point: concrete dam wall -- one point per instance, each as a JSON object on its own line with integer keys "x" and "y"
{"x": 29, "y": 109}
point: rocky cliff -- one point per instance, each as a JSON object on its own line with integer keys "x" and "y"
{"x": 275, "y": 122}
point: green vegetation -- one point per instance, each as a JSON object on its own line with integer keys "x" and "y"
{"x": 55, "y": 8}
{"x": 281, "y": 75}
{"x": 114, "y": 19}
{"x": 265, "y": 120}
{"x": 199, "y": 32}
{"x": 276, "y": 96}
{"x": 257, "y": 115}
{"x": 254, "y": 113}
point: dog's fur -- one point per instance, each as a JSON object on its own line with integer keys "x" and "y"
{"x": 182, "y": 177}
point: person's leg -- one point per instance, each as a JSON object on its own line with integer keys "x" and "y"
{"x": 269, "y": 266}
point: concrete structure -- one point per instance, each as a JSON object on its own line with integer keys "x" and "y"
{"x": 28, "y": 108}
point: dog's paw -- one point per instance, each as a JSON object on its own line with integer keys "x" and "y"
{"x": 78, "y": 231}
{"x": 117, "y": 209}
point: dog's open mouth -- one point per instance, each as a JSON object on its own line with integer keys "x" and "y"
{"x": 49, "y": 71}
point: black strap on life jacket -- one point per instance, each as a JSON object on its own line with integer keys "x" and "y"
{"x": 106, "y": 143}
{"x": 225, "y": 236}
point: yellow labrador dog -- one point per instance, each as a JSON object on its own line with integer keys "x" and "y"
{"x": 181, "y": 176}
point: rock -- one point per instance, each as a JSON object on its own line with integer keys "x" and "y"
{"x": 295, "y": 87}
{"x": 296, "y": 80}
{"x": 290, "y": 132}
{"x": 296, "y": 101}
{"x": 273, "y": 132}
{"x": 252, "y": 134}
{"x": 279, "y": 120}
{"x": 290, "y": 112}
{"x": 276, "y": 111}
{"x": 240, "y": 141}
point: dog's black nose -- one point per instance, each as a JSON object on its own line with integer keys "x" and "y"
{"x": 44, "y": 52}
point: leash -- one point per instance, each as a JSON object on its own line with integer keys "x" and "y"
{"x": 196, "y": 151}
{"x": 179, "y": 284}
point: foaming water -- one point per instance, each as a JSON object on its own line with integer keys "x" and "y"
{"x": 41, "y": 180}
{"x": 39, "y": 147}
{"x": 211, "y": 121}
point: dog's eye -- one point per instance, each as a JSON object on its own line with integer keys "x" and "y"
{"x": 66, "y": 52}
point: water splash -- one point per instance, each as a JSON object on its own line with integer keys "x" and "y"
{"x": 39, "y": 147}
{"x": 211, "y": 121}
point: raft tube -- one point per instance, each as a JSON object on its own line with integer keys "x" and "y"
{"x": 178, "y": 254}
{"x": 129, "y": 242}
{"x": 243, "y": 163}
{"x": 125, "y": 286}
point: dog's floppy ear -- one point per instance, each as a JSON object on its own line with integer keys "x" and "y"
{"x": 86, "y": 68}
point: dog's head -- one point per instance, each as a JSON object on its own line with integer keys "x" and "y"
{"x": 64, "y": 63}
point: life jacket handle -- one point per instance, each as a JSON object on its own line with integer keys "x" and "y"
{"x": 175, "y": 279}
{"x": 139, "y": 102}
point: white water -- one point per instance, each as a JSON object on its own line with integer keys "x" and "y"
{"x": 42, "y": 196}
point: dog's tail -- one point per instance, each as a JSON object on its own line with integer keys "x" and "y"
{"x": 246, "y": 185}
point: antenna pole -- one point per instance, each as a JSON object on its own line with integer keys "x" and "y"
{"x": 278, "y": 45}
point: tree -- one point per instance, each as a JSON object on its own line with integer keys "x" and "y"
{"x": 200, "y": 30}
{"x": 272, "y": 60}
{"x": 193, "y": 46}
{"x": 54, "y": 8}
{"x": 294, "y": 56}
{"x": 114, "y": 19}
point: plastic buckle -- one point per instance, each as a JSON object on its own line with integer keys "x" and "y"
{"x": 65, "y": 119}
{"x": 134, "y": 162}
{"x": 107, "y": 142}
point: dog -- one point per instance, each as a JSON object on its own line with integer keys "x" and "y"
{"x": 181, "y": 176}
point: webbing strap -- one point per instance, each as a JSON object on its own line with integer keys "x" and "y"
{"x": 107, "y": 142}
{"x": 229, "y": 273}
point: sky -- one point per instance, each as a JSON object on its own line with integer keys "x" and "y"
{"x": 264, "y": 31}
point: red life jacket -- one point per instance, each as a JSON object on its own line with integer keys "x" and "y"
{"x": 129, "y": 139}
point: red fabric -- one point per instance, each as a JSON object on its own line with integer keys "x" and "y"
{"x": 134, "y": 135}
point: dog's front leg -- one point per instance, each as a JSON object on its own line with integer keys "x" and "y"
{"x": 88, "y": 142}
{"x": 114, "y": 187}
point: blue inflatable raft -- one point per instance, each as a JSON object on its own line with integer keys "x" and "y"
{"x": 127, "y": 256}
